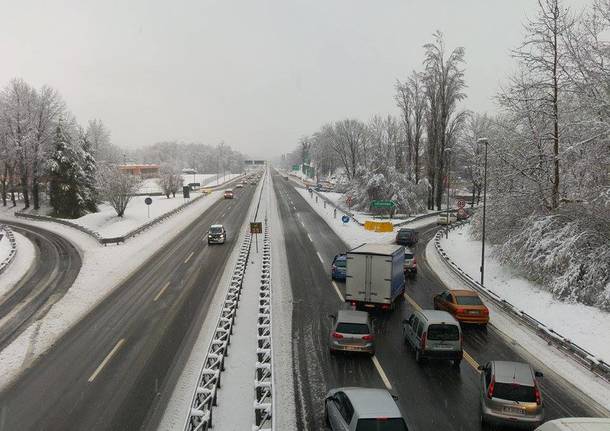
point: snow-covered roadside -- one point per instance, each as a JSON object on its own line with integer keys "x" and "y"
{"x": 19, "y": 266}
{"x": 351, "y": 233}
{"x": 103, "y": 269}
{"x": 587, "y": 326}
{"x": 179, "y": 404}
{"x": 521, "y": 336}
{"x": 5, "y": 245}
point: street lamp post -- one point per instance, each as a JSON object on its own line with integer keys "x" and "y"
{"x": 485, "y": 142}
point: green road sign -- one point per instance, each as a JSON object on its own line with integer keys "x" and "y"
{"x": 296, "y": 167}
{"x": 382, "y": 204}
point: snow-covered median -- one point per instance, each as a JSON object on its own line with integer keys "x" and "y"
{"x": 583, "y": 325}
{"x": 20, "y": 265}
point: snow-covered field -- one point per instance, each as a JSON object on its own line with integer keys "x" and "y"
{"x": 104, "y": 268}
{"x": 26, "y": 253}
{"x": 583, "y": 325}
{"x": 352, "y": 233}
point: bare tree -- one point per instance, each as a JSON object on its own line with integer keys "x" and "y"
{"x": 117, "y": 187}
{"x": 170, "y": 180}
{"x": 347, "y": 138}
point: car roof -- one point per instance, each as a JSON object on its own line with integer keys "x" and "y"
{"x": 407, "y": 229}
{"x": 513, "y": 372}
{"x": 215, "y": 225}
{"x": 352, "y": 316}
{"x": 437, "y": 316}
{"x": 577, "y": 424}
{"x": 463, "y": 292}
{"x": 372, "y": 403}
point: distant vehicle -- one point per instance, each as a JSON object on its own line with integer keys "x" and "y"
{"x": 352, "y": 331}
{"x": 407, "y": 237}
{"x": 509, "y": 395}
{"x": 576, "y": 424}
{"x": 410, "y": 265}
{"x": 229, "y": 194}
{"x": 362, "y": 409}
{"x": 217, "y": 234}
{"x": 239, "y": 186}
{"x": 464, "y": 305}
{"x": 338, "y": 267}
{"x": 443, "y": 219}
{"x": 434, "y": 334}
{"x": 375, "y": 275}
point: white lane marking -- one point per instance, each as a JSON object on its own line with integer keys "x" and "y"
{"x": 189, "y": 257}
{"x": 161, "y": 292}
{"x": 338, "y": 292}
{"x": 222, "y": 215}
{"x": 319, "y": 255}
{"x": 106, "y": 359}
{"x": 384, "y": 378}
{"x": 310, "y": 238}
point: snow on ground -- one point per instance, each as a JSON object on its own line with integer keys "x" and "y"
{"x": 104, "y": 268}
{"x": 108, "y": 224}
{"x": 222, "y": 179}
{"x": 198, "y": 178}
{"x": 586, "y": 325}
{"x": 179, "y": 404}
{"x": 5, "y": 246}
{"x": 521, "y": 337}
{"x": 26, "y": 253}
{"x": 150, "y": 185}
{"x": 352, "y": 233}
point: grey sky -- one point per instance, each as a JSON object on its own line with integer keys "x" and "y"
{"x": 256, "y": 74}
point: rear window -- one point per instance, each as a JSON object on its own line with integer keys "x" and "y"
{"x": 514, "y": 392}
{"x": 408, "y": 255}
{"x": 443, "y": 332}
{"x": 352, "y": 328}
{"x": 382, "y": 424}
{"x": 468, "y": 300}
{"x": 340, "y": 263}
{"x": 405, "y": 233}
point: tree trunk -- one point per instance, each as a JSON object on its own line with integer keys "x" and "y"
{"x": 24, "y": 190}
{"x": 555, "y": 195}
{"x": 35, "y": 193}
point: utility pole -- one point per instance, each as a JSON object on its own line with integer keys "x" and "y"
{"x": 485, "y": 142}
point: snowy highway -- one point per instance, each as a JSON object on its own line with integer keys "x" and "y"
{"x": 114, "y": 369}
{"x": 432, "y": 396}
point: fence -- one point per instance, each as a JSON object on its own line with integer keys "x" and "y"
{"x": 582, "y": 356}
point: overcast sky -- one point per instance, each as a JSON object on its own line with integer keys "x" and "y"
{"x": 256, "y": 74}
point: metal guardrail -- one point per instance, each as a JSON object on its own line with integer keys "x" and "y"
{"x": 131, "y": 234}
{"x": 263, "y": 376}
{"x": 8, "y": 234}
{"x": 204, "y": 398}
{"x": 581, "y": 355}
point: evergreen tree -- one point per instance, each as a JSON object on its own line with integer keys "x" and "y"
{"x": 89, "y": 169}
{"x": 65, "y": 177}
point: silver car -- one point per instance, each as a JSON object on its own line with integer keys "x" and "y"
{"x": 362, "y": 409}
{"x": 434, "y": 334}
{"x": 510, "y": 395}
{"x": 352, "y": 331}
{"x": 217, "y": 234}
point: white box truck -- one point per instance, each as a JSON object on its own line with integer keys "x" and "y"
{"x": 375, "y": 275}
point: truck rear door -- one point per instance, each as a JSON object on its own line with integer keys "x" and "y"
{"x": 355, "y": 282}
{"x": 380, "y": 279}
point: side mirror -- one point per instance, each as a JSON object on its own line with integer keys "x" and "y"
{"x": 481, "y": 368}
{"x": 538, "y": 374}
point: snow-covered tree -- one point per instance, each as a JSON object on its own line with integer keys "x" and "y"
{"x": 67, "y": 191}
{"x": 169, "y": 180}
{"x": 116, "y": 187}
{"x": 89, "y": 168}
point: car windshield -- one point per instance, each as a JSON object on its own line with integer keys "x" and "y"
{"x": 514, "y": 392}
{"x": 215, "y": 230}
{"x": 405, "y": 233}
{"x": 408, "y": 255}
{"x": 352, "y": 328}
{"x": 382, "y": 424}
{"x": 341, "y": 263}
{"x": 443, "y": 333}
{"x": 468, "y": 300}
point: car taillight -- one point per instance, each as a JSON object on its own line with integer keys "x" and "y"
{"x": 486, "y": 311}
{"x": 538, "y": 397}
{"x": 424, "y": 338}
{"x": 490, "y": 391}
{"x": 414, "y": 261}
{"x": 336, "y": 335}
{"x": 368, "y": 337}
{"x": 385, "y": 307}
{"x": 459, "y": 311}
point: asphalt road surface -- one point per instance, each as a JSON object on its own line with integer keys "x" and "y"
{"x": 432, "y": 395}
{"x": 55, "y": 267}
{"x": 115, "y": 370}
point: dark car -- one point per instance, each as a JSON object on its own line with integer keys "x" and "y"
{"x": 339, "y": 267}
{"x": 406, "y": 236}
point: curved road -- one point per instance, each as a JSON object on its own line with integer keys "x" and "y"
{"x": 53, "y": 271}
{"x": 432, "y": 395}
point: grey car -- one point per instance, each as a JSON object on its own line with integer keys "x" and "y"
{"x": 352, "y": 331}
{"x": 434, "y": 334}
{"x": 217, "y": 234}
{"x": 362, "y": 409}
{"x": 510, "y": 395}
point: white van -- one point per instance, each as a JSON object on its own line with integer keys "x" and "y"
{"x": 576, "y": 424}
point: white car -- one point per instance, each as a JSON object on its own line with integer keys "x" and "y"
{"x": 443, "y": 219}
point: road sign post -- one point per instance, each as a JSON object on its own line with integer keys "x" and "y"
{"x": 461, "y": 203}
{"x": 148, "y": 201}
{"x": 255, "y": 229}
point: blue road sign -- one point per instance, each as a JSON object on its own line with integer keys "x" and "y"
{"x": 345, "y": 219}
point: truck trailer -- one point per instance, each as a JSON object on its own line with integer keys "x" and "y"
{"x": 375, "y": 275}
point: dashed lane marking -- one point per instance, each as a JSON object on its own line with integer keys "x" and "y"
{"x": 308, "y": 236}
{"x": 161, "y": 292}
{"x": 107, "y": 359}
{"x": 338, "y": 292}
{"x": 412, "y": 302}
{"x": 319, "y": 255}
{"x": 384, "y": 378}
{"x": 189, "y": 257}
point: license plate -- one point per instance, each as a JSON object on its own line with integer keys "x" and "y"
{"x": 513, "y": 410}
{"x": 369, "y": 305}
{"x": 473, "y": 312}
